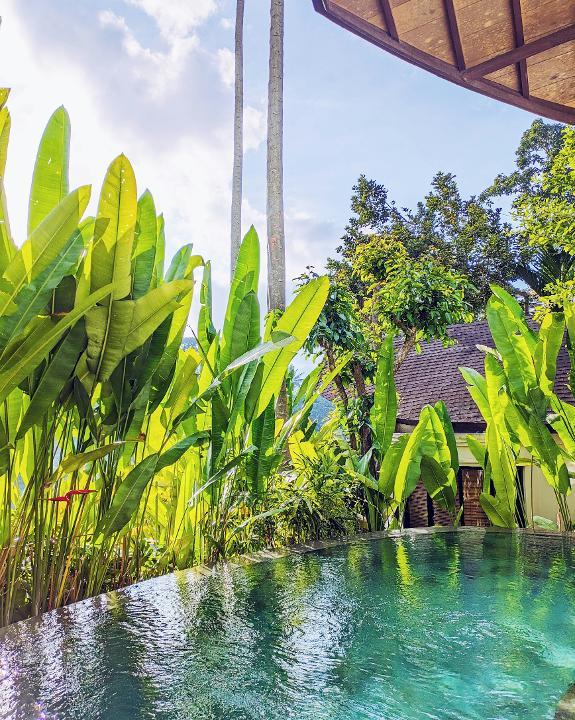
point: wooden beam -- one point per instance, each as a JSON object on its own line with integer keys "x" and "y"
{"x": 368, "y": 31}
{"x": 389, "y": 19}
{"x": 521, "y": 53}
{"x": 519, "y": 42}
{"x": 454, "y": 34}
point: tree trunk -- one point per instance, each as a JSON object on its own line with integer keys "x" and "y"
{"x": 275, "y": 210}
{"x": 236, "y": 219}
{"x": 360, "y": 388}
{"x": 275, "y": 207}
{"x": 406, "y": 348}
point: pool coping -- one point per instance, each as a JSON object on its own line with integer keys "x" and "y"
{"x": 565, "y": 709}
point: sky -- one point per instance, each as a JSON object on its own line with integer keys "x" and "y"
{"x": 154, "y": 79}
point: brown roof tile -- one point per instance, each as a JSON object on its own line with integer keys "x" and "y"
{"x": 433, "y": 374}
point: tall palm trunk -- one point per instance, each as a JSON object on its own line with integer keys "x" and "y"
{"x": 236, "y": 219}
{"x": 275, "y": 201}
{"x": 275, "y": 209}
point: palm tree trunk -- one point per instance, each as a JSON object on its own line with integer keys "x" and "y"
{"x": 236, "y": 219}
{"x": 275, "y": 203}
{"x": 275, "y": 209}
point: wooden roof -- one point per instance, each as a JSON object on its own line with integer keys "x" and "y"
{"x": 519, "y": 51}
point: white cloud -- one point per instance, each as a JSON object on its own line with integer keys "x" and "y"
{"x": 254, "y": 128}
{"x": 227, "y": 23}
{"x": 160, "y": 71}
{"x": 176, "y": 18}
{"x": 226, "y": 66}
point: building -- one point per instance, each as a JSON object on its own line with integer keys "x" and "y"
{"x": 432, "y": 375}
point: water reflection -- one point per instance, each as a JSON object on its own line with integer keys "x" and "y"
{"x": 451, "y": 626}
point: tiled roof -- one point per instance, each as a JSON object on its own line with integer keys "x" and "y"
{"x": 433, "y": 374}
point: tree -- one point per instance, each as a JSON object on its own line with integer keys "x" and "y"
{"x": 236, "y": 216}
{"x": 275, "y": 203}
{"x": 538, "y": 264}
{"x": 417, "y": 298}
{"x": 275, "y": 210}
{"x": 468, "y": 236}
{"x": 546, "y": 222}
{"x": 537, "y": 148}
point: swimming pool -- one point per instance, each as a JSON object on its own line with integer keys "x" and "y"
{"x": 452, "y": 625}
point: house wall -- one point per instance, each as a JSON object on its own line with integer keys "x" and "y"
{"x": 539, "y": 496}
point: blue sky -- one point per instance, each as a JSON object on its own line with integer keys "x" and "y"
{"x": 152, "y": 78}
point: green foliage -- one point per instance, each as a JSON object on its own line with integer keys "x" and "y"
{"x": 419, "y": 298}
{"x": 515, "y": 398}
{"x": 466, "y": 236}
{"x": 122, "y": 455}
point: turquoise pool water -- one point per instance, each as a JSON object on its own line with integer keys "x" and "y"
{"x": 460, "y": 626}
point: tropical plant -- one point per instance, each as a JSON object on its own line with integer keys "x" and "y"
{"x": 122, "y": 455}
{"x": 392, "y": 467}
{"x": 521, "y": 409}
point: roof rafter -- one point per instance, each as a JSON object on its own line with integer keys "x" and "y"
{"x": 454, "y": 34}
{"x": 546, "y": 42}
{"x": 389, "y": 19}
{"x": 519, "y": 42}
{"x": 552, "y": 106}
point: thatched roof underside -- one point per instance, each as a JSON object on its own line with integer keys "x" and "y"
{"x": 519, "y": 51}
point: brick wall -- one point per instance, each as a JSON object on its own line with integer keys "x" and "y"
{"x": 472, "y": 482}
{"x": 417, "y": 507}
{"x": 473, "y": 515}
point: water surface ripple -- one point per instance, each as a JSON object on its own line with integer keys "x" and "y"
{"x": 449, "y": 626}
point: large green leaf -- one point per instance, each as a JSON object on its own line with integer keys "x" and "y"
{"x": 181, "y": 268}
{"x": 54, "y": 378}
{"x": 384, "y": 411}
{"x": 177, "y": 451}
{"x": 514, "y": 348}
{"x": 259, "y": 465}
{"x": 144, "y": 252}
{"x": 503, "y": 470}
{"x": 244, "y": 281}
{"x": 50, "y": 179}
{"x": 7, "y": 245}
{"x": 515, "y": 310}
{"x": 127, "y": 497}
{"x": 547, "y": 350}
{"x": 246, "y": 330}
{"x": 297, "y": 321}
{"x": 477, "y": 388}
{"x": 117, "y": 330}
{"x": 118, "y": 207}
{"x": 22, "y": 358}
{"x": 160, "y": 251}
{"x": 77, "y": 460}
{"x": 443, "y": 414}
{"x": 438, "y": 484}
{"x": 390, "y": 466}
{"x": 42, "y": 248}
{"x": 408, "y": 469}
{"x": 5, "y": 123}
{"x": 497, "y": 512}
{"x": 206, "y": 329}
{"x": 35, "y": 294}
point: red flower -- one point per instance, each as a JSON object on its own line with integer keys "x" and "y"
{"x": 68, "y": 496}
